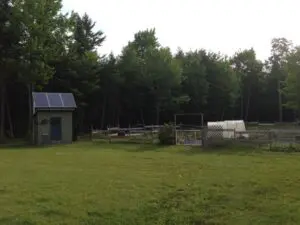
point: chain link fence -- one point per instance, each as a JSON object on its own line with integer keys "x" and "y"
{"x": 273, "y": 139}
{"x": 285, "y": 139}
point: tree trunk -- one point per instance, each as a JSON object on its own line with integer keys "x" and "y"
{"x": 222, "y": 114}
{"x": 118, "y": 116}
{"x": 113, "y": 116}
{"x": 157, "y": 114}
{"x": 279, "y": 101}
{"x": 91, "y": 132}
{"x": 142, "y": 116}
{"x": 103, "y": 113}
{"x": 248, "y": 104}
{"x": 11, "y": 129}
{"x": 30, "y": 113}
{"x": 2, "y": 114}
{"x": 80, "y": 128}
{"x": 296, "y": 115}
{"x": 242, "y": 106}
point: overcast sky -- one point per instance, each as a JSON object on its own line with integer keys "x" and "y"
{"x": 219, "y": 25}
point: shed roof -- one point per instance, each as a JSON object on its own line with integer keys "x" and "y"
{"x": 53, "y": 101}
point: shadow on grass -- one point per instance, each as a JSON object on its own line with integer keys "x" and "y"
{"x": 130, "y": 146}
{"x": 24, "y": 146}
{"x": 228, "y": 150}
{"x": 17, "y": 146}
{"x": 186, "y": 150}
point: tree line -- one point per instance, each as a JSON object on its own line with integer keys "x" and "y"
{"x": 43, "y": 49}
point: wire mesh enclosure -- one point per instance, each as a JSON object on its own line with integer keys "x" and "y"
{"x": 188, "y": 128}
{"x": 189, "y": 137}
{"x": 223, "y": 137}
{"x": 223, "y": 133}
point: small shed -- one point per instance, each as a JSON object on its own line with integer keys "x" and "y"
{"x": 53, "y": 117}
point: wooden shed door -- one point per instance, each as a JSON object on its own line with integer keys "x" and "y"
{"x": 55, "y": 129}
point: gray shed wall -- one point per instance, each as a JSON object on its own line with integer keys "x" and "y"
{"x": 66, "y": 124}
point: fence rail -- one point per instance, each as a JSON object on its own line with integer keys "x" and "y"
{"x": 129, "y": 135}
{"x": 204, "y": 136}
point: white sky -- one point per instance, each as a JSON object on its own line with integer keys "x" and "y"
{"x": 219, "y": 25}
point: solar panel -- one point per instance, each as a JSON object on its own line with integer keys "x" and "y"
{"x": 40, "y": 100}
{"x": 55, "y": 100}
{"x": 68, "y": 100}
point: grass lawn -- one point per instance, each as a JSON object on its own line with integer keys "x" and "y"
{"x": 95, "y": 184}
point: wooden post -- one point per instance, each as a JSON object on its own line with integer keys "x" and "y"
{"x": 279, "y": 100}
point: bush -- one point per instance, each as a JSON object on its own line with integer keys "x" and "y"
{"x": 166, "y": 135}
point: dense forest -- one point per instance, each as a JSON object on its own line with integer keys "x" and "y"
{"x": 43, "y": 49}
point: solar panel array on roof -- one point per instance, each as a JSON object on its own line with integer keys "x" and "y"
{"x": 68, "y": 100}
{"x": 53, "y": 100}
{"x": 40, "y": 100}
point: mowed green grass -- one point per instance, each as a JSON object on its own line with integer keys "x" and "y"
{"x": 95, "y": 184}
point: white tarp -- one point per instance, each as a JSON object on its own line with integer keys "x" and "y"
{"x": 227, "y": 129}
{"x": 216, "y": 129}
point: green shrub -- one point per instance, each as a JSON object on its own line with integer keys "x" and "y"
{"x": 166, "y": 134}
